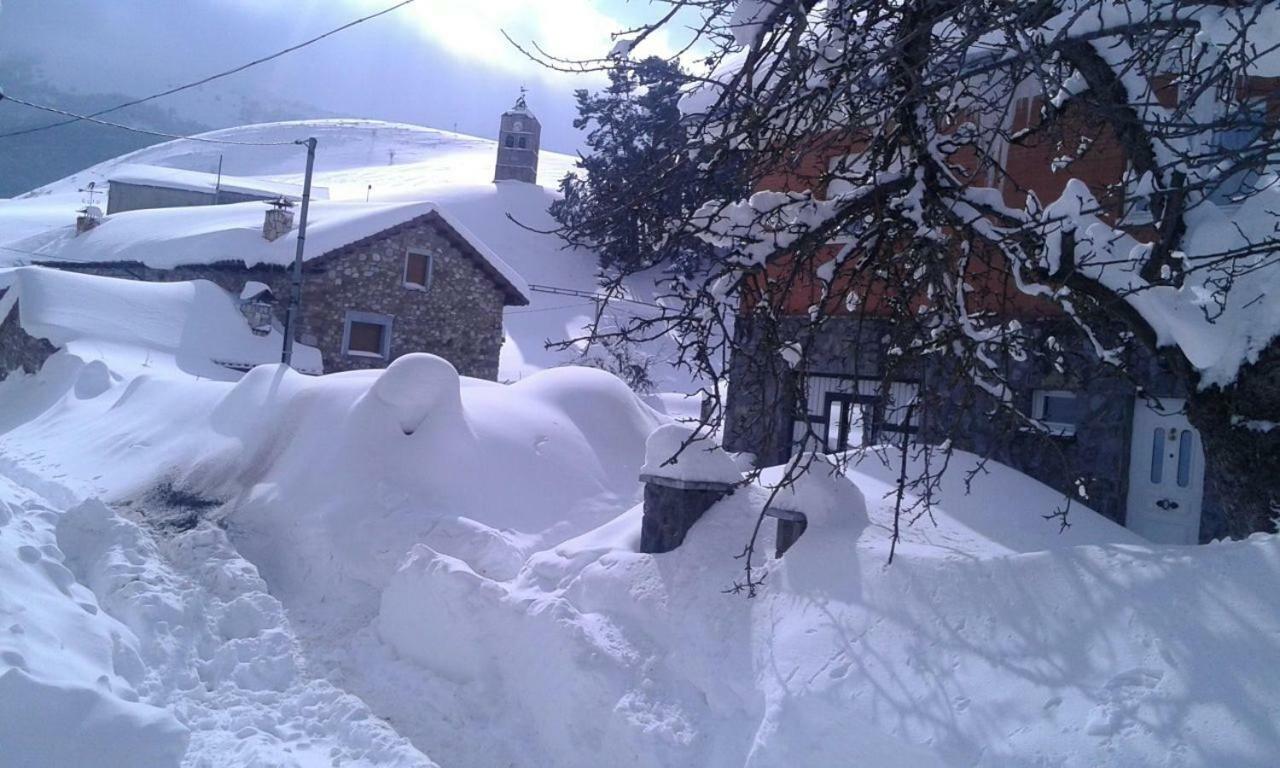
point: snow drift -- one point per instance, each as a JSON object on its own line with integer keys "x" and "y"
{"x": 194, "y": 324}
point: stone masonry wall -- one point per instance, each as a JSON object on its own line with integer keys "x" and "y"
{"x": 18, "y": 350}
{"x": 758, "y": 419}
{"x": 459, "y": 317}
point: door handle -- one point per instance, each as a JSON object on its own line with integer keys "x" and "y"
{"x": 1167, "y": 504}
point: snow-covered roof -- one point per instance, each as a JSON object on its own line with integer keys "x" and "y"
{"x": 197, "y": 323}
{"x": 165, "y": 238}
{"x": 200, "y": 181}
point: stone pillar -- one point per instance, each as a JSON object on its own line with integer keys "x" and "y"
{"x": 683, "y": 475}
{"x": 672, "y": 506}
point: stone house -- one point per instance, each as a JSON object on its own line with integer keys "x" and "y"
{"x": 379, "y": 280}
{"x": 1141, "y": 466}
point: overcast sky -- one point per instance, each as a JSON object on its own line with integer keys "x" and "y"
{"x": 442, "y": 63}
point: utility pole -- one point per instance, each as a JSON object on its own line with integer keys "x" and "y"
{"x": 295, "y": 293}
{"x": 217, "y": 187}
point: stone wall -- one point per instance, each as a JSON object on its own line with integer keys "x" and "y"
{"x": 18, "y": 350}
{"x": 670, "y": 510}
{"x": 759, "y": 411}
{"x": 459, "y": 317}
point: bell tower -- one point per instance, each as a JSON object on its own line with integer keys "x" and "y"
{"x": 518, "y": 137}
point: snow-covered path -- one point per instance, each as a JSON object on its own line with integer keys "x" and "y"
{"x": 201, "y": 639}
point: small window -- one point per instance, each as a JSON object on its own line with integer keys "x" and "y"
{"x": 523, "y": 143}
{"x": 1184, "y": 458}
{"x": 1057, "y": 409}
{"x": 417, "y": 269}
{"x": 1157, "y": 456}
{"x": 1245, "y": 126}
{"x": 510, "y": 142}
{"x": 367, "y": 334}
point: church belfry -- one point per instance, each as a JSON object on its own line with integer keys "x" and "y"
{"x": 518, "y": 137}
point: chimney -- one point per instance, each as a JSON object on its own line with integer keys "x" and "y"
{"x": 90, "y": 217}
{"x": 279, "y": 219}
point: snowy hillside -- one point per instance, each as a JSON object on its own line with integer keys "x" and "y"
{"x": 385, "y": 568}
{"x": 386, "y": 162}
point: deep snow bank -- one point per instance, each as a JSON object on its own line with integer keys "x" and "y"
{"x": 460, "y": 555}
{"x": 328, "y": 482}
{"x": 195, "y": 325}
{"x": 959, "y": 654}
{"x": 354, "y": 468}
{"x": 69, "y": 673}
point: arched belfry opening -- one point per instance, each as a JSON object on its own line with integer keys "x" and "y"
{"x": 519, "y": 135}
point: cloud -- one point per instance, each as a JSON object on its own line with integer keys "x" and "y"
{"x": 569, "y": 29}
{"x": 443, "y": 63}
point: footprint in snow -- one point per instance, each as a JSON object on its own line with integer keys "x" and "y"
{"x": 1124, "y": 694}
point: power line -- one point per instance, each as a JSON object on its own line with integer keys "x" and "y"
{"x": 145, "y": 131}
{"x": 562, "y": 291}
{"x": 77, "y": 118}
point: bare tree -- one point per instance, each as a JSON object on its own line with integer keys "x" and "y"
{"x": 897, "y": 152}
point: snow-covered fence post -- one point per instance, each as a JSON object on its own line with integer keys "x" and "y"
{"x": 791, "y": 525}
{"x": 682, "y": 479}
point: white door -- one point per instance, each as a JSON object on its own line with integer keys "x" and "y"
{"x": 1166, "y": 474}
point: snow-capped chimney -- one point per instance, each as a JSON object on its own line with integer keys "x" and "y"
{"x": 90, "y": 217}
{"x": 518, "y": 137}
{"x": 279, "y": 219}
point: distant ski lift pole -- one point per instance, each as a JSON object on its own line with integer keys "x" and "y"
{"x": 292, "y": 316}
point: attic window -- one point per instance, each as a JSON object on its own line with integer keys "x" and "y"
{"x": 417, "y": 270}
{"x": 366, "y": 334}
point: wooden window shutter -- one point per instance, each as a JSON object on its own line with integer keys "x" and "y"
{"x": 365, "y": 337}
{"x": 417, "y": 269}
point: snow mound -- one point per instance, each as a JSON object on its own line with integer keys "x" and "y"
{"x": 416, "y": 386}
{"x": 645, "y": 657}
{"x": 192, "y": 326}
{"x": 672, "y": 452}
{"x": 824, "y": 494}
{"x": 428, "y": 606}
{"x": 48, "y": 726}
